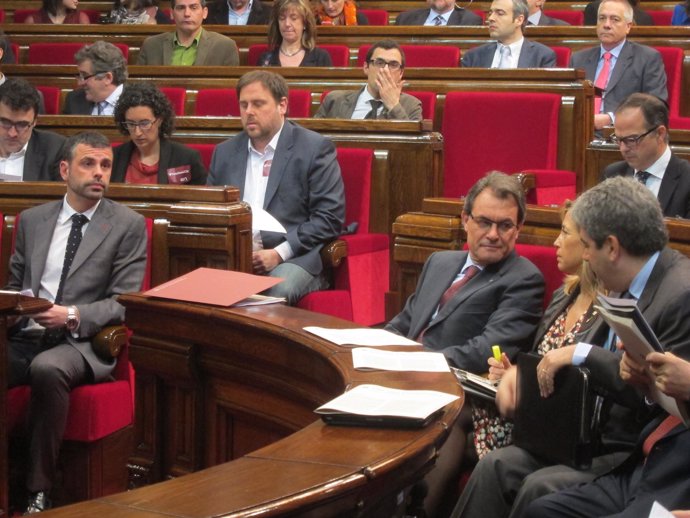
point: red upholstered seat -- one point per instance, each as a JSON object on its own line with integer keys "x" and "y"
{"x": 481, "y": 13}
{"x": 673, "y": 64}
{"x": 176, "y": 96}
{"x": 2, "y": 15}
{"x": 15, "y": 50}
{"x": 363, "y": 275}
{"x": 60, "y": 53}
{"x": 562, "y": 56}
{"x": 421, "y": 56}
{"x": 51, "y": 99}
{"x": 477, "y": 138}
{"x": 223, "y": 102}
{"x": 680, "y": 122}
{"x": 571, "y": 16}
{"x": 544, "y": 258}
{"x": 205, "y": 150}
{"x": 660, "y": 17}
{"x": 552, "y": 187}
{"x": 340, "y": 54}
{"x": 21, "y": 14}
{"x": 428, "y": 103}
{"x": 376, "y": 16}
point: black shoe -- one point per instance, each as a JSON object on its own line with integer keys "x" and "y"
{"x": 38, "y": 502}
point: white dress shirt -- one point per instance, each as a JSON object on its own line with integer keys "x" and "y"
{"x": 12, "y": 167}
{"x": 512, "y": 59}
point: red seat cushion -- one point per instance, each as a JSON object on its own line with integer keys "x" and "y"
{"x": 544, "y": 258}
{"x": 61, "y": 53}
{"x": 421, "y": 56}
{"x": 552, "y": 187}
{"x": 570, "y": 16}
{"x": 336, "y": 303}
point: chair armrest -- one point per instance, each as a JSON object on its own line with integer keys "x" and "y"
{"x": 527, "y": 180}
{"x": 108, "y": 343}
{"x": 333, "y": 253}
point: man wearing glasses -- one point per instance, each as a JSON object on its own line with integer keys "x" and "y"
{"x": 101, "y": 74}
{"x": 382, "y": 97}
{"x": 641, "y": 133}
{"x": 26, "y": 154}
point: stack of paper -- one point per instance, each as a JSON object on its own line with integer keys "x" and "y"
{"x": 360, "y": 336}
{"x": 364, "y": 358}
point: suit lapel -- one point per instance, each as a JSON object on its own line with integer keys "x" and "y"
{"x": 525, "y": 55}
{"x": 42, "y": 236}
{"x": 350, "y": 102}
{"x": 662, "y": 264}
{"x": 668, "y": 183}
{"x": 164, "y": 161}
{"x": 99, "y": 227}
{"x": 591, "y": 63}
{"x": 168, "y": 48}
{"x": 202, "y": 49}
{"x": 623, "y": 62}
{"x": 488, "y": 56}
{"x": 33, "y": 160}
{"x": 281, "y": 158}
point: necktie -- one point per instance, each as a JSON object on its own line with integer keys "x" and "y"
{"x": 73, "y": 242}
{"x": 438, "y": 20}
{"x": 101, "y": 107}
{"x": 373, "y": 113}
{"x": 503, "y": 62}
{"x": 602, "y": 80}
{"x": 659, "y": 432}
{"x": 642, "y": 177}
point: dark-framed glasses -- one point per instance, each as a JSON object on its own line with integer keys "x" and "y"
{"x": 144, "y": 125}
{"x": 381, "y": 63}
{"x": 485, "y": 224}
{"x": 19, "y": 126}
{"x": 632, "y": 140}
{"x": 82, "y": 78}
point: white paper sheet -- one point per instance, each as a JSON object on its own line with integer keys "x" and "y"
{"x": 365, "y": 358}
{"x": 262, "y": 220}
{"x": 360, "y": 336}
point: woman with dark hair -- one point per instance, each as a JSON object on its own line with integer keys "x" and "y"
{"x": 681, "y": 14}
{"x": 145, "y": 114}
{"x": 58, "y": 12}
{"x": 137, "y": 12}
{"x": 292, "y": 37}
{"x": 339, "y": 12}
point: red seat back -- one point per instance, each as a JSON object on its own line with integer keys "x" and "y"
{"x": 661, "y": 17}
{"x": 254, "y": 53}
{"x": 355, "y": 168}
{"x": 2, "y": 15}
{"x": 177, "y": 97}
{"x": 15, "y": 51}
{"x": 421, "y": 56}
{"x": 552, "y": 187}
{"x": 673, "y": 64}
{"x": 544, "y": 258}
{"x": 51, "y": 99}
{"x": 205, "y": 151}
{"x": 221, "y": 102}
{"x": 562, "y": 56}
{"x": 428, "y": 100}
{"x": 60, "y": 53}
{"x": 375, "y": 16}
{"x": 21, "y": 14}
{"x": 477, "y": 138}
{"x": 570, "y": 16}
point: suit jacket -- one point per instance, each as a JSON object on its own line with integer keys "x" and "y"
{"x": 638, "y": 69}
{"x": 500, "y": 305}
{"x": 77, "y": 104}
{"x": 532, "y": 55}
{"x": 110, "y": 261}
{"x": 218, "y": 13}
{"x": 674, "y": 191}
{"x": 548, "y": 20}
{"x": 340, "y": 104}
{"x": 304, "y": 192}
{"x": 312, "y": 58}
{"x": 214, "y": 50}
{"x": 172, "y": 155}
{"x": 459, "y": 16}
{"x": 42, "y": 159}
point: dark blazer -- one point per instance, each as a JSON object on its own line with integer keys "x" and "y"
{"x": 340, "y": 104}
{"x": 532, "y": 55}
{"x": 638, "y": 69}
{"x": 42, "y": 159}
{"x": 548, "y": 20}
{"x": 674, "y": 191}
{"x": 304, "y": 192}
{"x": 640, "y": 17}
{"x": 218, "y": 13}
{"x": 214, "y": 50}
{"x": 312, "y": 58}
{"x": 459, "y": 16}
{"x": 172, "y": 155}
{"x": 500, "y": 305}
{"x": 77, "y": 104}
{"x": 109, "y": 262}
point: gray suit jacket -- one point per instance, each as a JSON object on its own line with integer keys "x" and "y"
{"x": 459, "y": 16}
{"x": 77, "y": 104}
{"x": 500, "y": 305}
{"x": 532, "y": 55}
{"x": 42, "y": 159}
{"x": 304, "y": 192}
{"x": 638, "y": 69}
{"x": 110, "y": 261}
{"x": 548, "y": 20}
{"x": 214, "y": 50}
{"x": 340, "y": 104}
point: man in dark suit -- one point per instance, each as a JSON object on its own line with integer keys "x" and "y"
{"x": 189, "y": 44}
{"x": 237, "y": 12}
{"x": 440, "y": 13}
{"x": 641, "y": 132}
{"x": 640, "y": 17}
{"x": 382, "y": 97}
{"x": 83, "y": 276}
{"x": 290, "y": 173}
{"x": 102, "y": 72}
{"x": 622, "y": 228}
{"x": 506, "y": 19}
{"x": 26, "y": 154}
{"x": 619, "y": 67}
{"x": 537, "y": 16}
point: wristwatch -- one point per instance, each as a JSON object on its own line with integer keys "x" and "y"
{"x": 72, "y": 321}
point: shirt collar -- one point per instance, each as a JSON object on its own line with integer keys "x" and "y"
{"x": 445, "y": 16}
{"x": 615, "y": 51}
{"x": 514, "y": 47}
{"x": 534, "y": 18}
{"x": 67, "y": 211}
{"x": 640, "y": 281}
{"x": 469, "y": 262}
{"x": 366, "y": 96}
{"x": 658, "y": 168}
{"x": 114, "y": 95}
{"x": 195, "y": 42}
{"x": 271, "y": 146}
{"x": 249, "y": 8}
{"x": 19, "y": 154}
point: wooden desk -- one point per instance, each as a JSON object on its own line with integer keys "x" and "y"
{"x": 235, "y": 389}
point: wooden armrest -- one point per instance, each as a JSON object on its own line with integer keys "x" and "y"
{"x": 527, "y": 180}
{"x": 333, "y": 253}
{"x": 109, "y": 342}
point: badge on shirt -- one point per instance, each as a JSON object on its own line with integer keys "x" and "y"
{"x": 179, "y": 175}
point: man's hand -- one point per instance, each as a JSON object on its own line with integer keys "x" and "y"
{"x": 56, "y": 316}
{"x": 497, "y": 369}
{"x": 389, "y": 88}
{"x": 601, "y": 120}
{"x": 264, "y": 261}
{"x": 671, "y": 374}
{"x": 550, "y": 364}
{"x": 506, "y": 394}
{"x": 634, "y": 373}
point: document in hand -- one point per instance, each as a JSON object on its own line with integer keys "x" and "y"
{"x": 374, "y": 405}
{"x": 638, "y": 338}
{"x": 211, "y": 286}
{"x": 360, "y": 336}
{"x": 477, "y": 386}
{"x": 365, "y": 358}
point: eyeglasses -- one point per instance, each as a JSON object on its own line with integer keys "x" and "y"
{"x": 631, "y": 141}
{"x": 144, "y": 125}
{"x": 381, "y": 63}
{"x": 485, "y": 224}
{"x": 83, "y": 78}
{"x": 19, "y": 126}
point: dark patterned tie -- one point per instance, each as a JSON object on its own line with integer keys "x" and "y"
{"x": 375, "y": 105}
{"x": 73, "y": 242}
{"x": 438, "y": 20}
{"x": 642, "y": 177}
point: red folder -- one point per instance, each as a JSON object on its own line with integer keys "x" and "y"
{"x": 211, "y": 286}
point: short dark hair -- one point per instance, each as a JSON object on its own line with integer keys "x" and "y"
{"x": 105, "y": 57}
{"x": 90, "y": 138}
{"x": 502, "y": 186}
{"x": 201, "y": 2}
{"x": 20, "y": 95}
{"x": 624, "y": 208}
{"x": 274, "y": 83}
{"x": 654, "y": 110}
{"x": 145, "y": 94}
{"x": 386, "y": 45}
